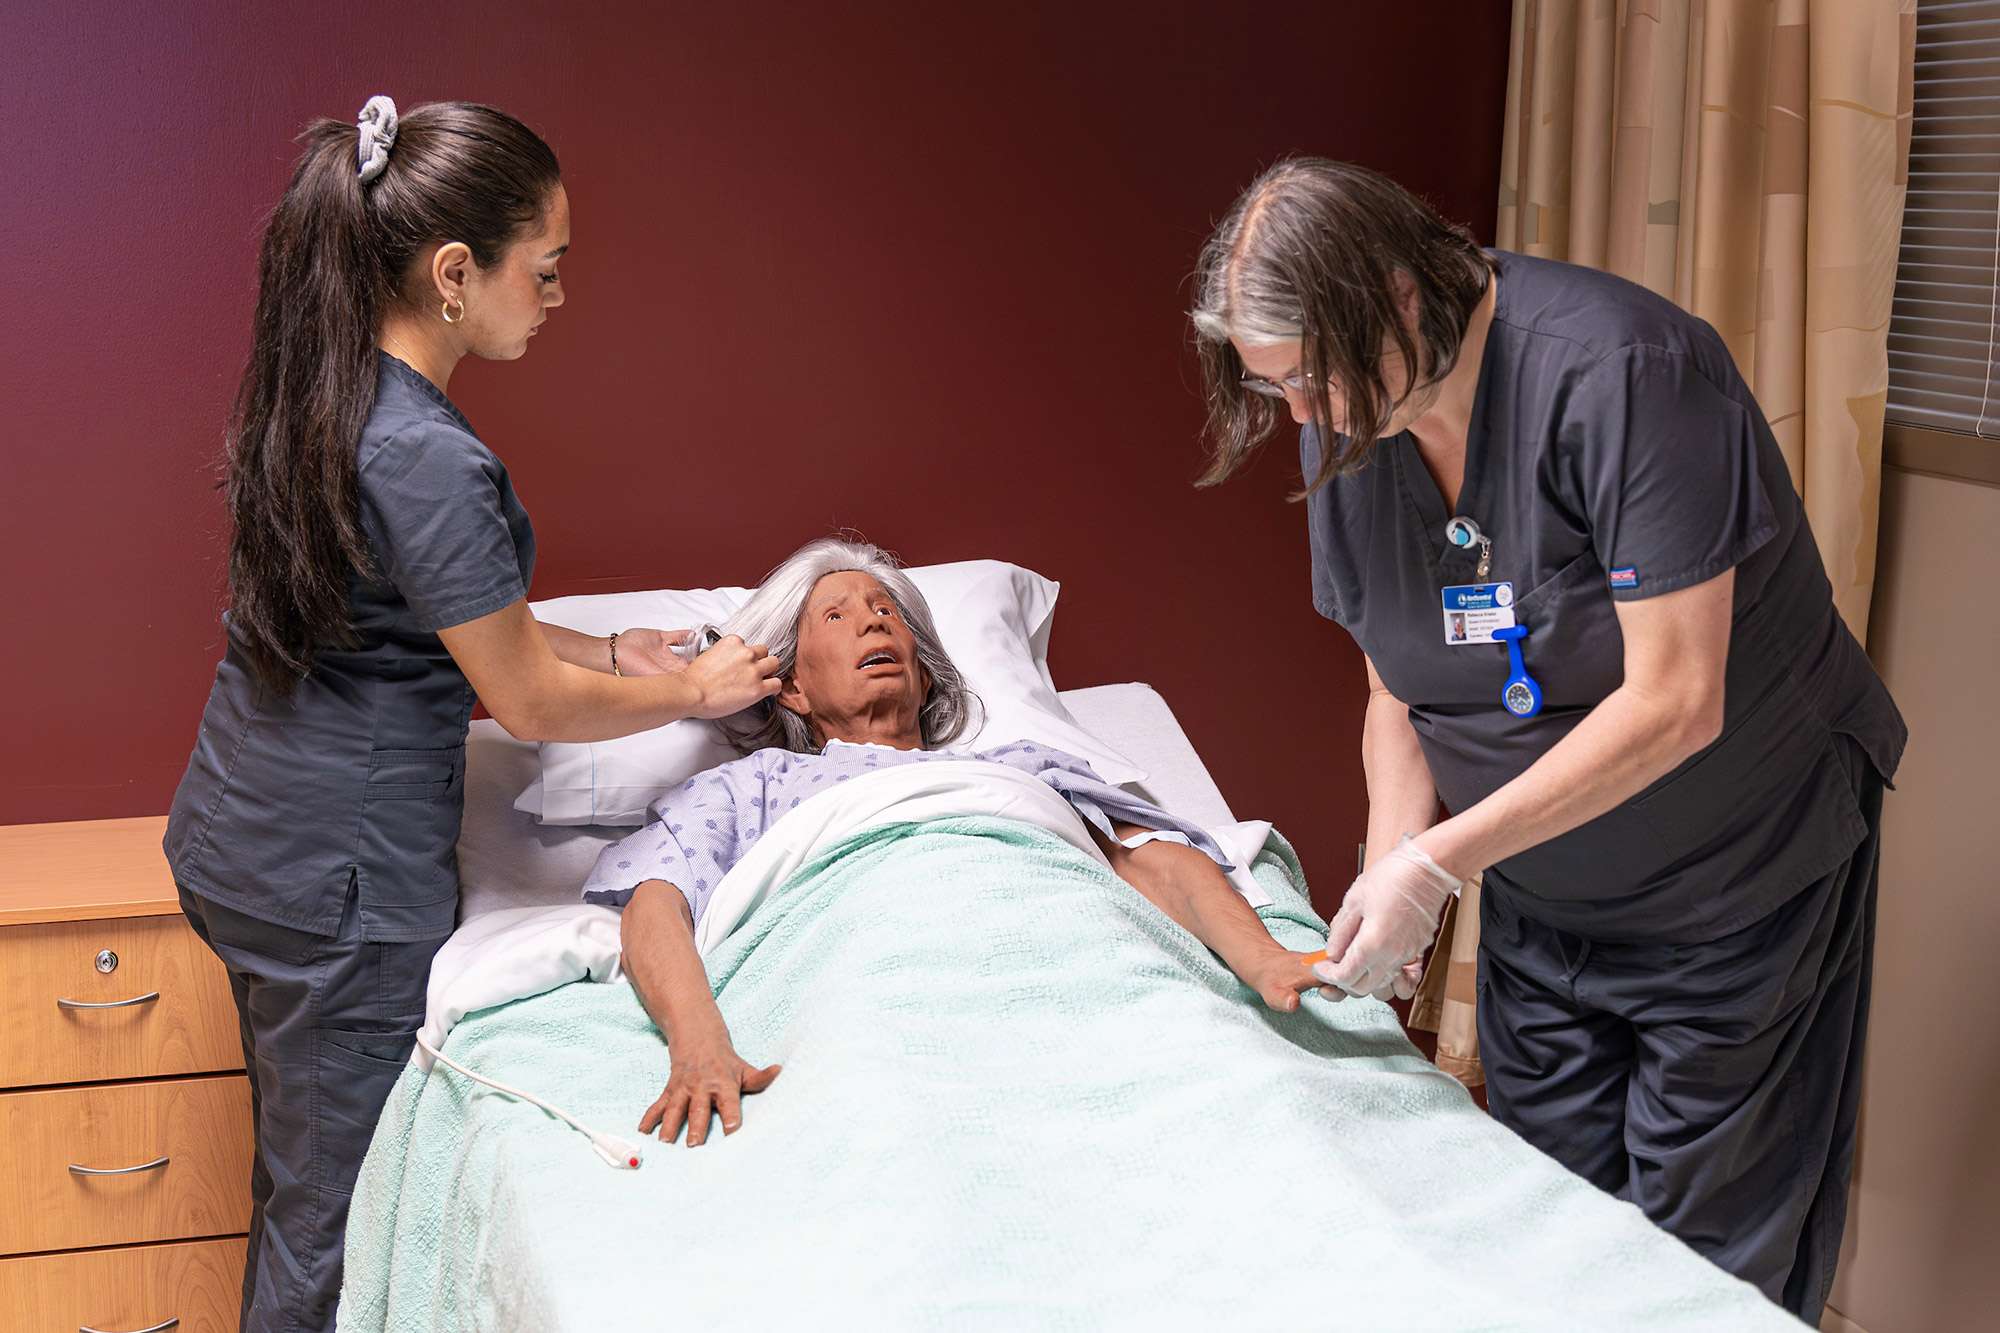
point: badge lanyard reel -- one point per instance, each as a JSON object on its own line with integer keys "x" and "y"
{"x": 1483, "y": 612}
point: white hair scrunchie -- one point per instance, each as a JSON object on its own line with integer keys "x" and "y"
{"x": 377, "y": 125}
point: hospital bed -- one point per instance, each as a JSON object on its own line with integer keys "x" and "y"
{"x": 1040, "y": 1107}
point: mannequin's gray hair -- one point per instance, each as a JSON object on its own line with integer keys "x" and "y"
{"x": 772, "y": 616}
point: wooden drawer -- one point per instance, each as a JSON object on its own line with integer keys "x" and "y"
{"x": 200, "y": 1283}
{"x": 201, "y": 1125}
{"x": 190, "y": 1029}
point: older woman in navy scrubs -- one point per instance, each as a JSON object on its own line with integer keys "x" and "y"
{"x": 1596, "y": 626}
{"x": 379, "y": 566}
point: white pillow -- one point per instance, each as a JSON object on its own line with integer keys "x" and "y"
{"x": 505, "y": 858}
{"x": 993, "y": 617}
{"x": 995, "y": 620}
{"x": 612, "y": 782}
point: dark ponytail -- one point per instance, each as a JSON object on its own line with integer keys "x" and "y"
{"x": 335, "y": 259}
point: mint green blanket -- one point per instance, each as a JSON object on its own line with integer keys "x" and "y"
{"x": 1015, "y": 1096}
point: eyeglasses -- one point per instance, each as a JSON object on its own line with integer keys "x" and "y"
{"x": 1264, "y": 388}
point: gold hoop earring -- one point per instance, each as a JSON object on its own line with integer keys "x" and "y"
{"x": 450, "y": 318}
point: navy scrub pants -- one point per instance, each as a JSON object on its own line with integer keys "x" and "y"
{"x": 1715, "y": 1085}
{"x": 328, "y": 1024}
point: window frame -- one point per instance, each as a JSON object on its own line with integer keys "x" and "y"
{"x": 1956, "y": 454}
{"x": 1935, "y": 450}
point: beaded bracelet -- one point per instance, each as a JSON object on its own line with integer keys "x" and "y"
{"x": 614, "y": 655}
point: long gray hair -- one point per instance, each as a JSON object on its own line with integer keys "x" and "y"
{"x": 772, "y": 616}
{"x": 1308, "y": 256}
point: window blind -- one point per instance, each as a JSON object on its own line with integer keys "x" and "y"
{"x": 1942, "y": 367}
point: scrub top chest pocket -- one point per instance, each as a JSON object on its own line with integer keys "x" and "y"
{"x": 1574, "y": 646}
{"x": 1574, "y": 651}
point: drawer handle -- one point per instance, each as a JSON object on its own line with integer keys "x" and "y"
{"x": 153, "y": 1165}
{"x": 147, "y": 998}
{"x": 175, "y": 1322}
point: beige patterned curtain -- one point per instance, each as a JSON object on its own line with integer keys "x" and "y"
{"x": 1746, "y": 159}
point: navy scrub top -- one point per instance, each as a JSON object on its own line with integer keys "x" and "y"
{"x": 355, "y": 783}
{"x": 1611, "y": 431}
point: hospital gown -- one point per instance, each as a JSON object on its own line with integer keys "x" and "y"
{"x": 703, "y": 827}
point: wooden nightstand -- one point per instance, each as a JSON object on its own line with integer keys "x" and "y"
{"x": 125, "y": 1136}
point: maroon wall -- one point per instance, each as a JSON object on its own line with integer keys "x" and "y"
{"x": 918, "y": 270}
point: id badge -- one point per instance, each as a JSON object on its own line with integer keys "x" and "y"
{"x": 1472, "y": 611}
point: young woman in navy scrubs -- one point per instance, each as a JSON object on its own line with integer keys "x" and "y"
{"x": 378, "y": 570}
{"x": 1596, "y": 625}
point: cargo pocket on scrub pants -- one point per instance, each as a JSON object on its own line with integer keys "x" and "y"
{"x": 371, "y": 1005}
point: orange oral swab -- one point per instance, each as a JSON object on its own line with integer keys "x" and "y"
{"x": 1316, "y": 956}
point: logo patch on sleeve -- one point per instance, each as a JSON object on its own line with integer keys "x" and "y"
{"x": 1627, "y": 577}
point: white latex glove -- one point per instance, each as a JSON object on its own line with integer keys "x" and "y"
{"x": 1402, "y": 984}
{"x": 1386, "y": 921}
